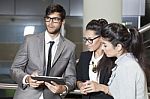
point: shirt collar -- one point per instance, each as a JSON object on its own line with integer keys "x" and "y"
{"x": 48, "y": 38}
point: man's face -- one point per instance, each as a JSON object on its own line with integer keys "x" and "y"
{"x": 53, "y": 23}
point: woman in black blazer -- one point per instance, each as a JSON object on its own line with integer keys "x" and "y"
{"x": 94, "y": 68}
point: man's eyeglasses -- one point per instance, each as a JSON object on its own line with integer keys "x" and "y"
{"x": 90, "y": 40}
{"x": 54, "y": 19}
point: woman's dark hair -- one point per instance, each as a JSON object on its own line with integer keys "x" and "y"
{"x": 130, "y": 39}
{"x": 105, "y": 65}
{"x": 56, "y": 8}
{"x": 96, "y": 25}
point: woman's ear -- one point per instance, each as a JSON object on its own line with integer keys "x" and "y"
{"x": 118, "y": 47}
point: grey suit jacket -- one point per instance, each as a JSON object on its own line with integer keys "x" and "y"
{"x": 31, "y": 57}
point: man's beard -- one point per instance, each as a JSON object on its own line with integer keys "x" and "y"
{"x": 56, "y": 31}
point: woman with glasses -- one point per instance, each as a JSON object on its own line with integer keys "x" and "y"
{"x": 94, "y": 68}
{"x": 128, "y": 79}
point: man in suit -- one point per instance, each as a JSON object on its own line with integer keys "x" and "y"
{"x": 32, "y": 60}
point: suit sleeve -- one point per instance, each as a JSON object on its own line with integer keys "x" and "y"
{"x": 18, "y": 67}
{"x": 70, "y": 72}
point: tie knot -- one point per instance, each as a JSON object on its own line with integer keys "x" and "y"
{"x": 51, "y": 43}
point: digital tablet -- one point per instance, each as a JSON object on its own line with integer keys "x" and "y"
{"x": 58, "y": 80}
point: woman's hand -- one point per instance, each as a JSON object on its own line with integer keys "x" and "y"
{"x": 81, "y": 86}
{"x": 92, "y": 86}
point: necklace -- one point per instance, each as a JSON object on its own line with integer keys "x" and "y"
{"x": 94, "y": 62}
{"x": 94, "y": 67}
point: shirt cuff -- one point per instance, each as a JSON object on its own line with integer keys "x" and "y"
{"x": 24, "y": 80}
{"x": 66, "y": 91}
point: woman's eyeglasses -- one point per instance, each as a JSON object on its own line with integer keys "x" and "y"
{"x": 54, "y": 19}
{"x": 90, "y": 40}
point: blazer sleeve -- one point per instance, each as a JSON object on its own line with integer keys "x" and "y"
{"x": 17, "y": 69}
{"x": 70, "y": 71}
{"x": 83, "y": 66}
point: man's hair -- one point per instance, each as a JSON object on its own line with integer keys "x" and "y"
{"x": 56, "y": 8}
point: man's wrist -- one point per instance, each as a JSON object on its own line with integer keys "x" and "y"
{"x": 65, "y": 91}
{"x": 24, "y": 81}
{"x": 27, "y": 79}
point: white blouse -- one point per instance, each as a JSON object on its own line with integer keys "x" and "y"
{"x": 93, "y": 76}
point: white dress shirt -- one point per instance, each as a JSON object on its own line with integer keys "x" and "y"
{"x": 54, "y": 47}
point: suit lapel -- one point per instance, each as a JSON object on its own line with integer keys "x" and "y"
{"x": 41, "y": 43}
{"x": 60, "y": 48}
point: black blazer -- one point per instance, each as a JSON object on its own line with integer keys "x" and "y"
{"x": 83, "y": 74}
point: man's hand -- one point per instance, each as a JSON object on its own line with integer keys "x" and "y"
{"x": 33, "y": 83}
{"x": 55, "y": 88}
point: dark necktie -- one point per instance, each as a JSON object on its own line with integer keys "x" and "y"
{"x": 49, "y": 58}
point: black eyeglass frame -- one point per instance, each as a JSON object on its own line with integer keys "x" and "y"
{"x": 54, "y": 19}
{"x": 90, "y": 40}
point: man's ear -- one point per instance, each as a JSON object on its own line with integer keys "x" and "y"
{"x": 63, "y": 22}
